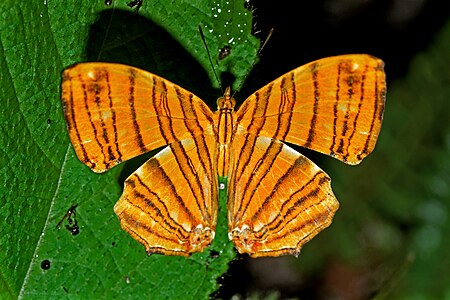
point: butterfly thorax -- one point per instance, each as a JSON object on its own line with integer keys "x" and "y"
{"x": 224, "y": 127}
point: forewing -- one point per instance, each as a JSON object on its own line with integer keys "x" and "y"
{"x": 334, "y": 105}
{"x": 170, "y": 203}
{"x": 115, "y": 112}
{"x": 278, "y": 199}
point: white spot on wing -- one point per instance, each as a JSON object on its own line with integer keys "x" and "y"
{"x": 258, "y": 226}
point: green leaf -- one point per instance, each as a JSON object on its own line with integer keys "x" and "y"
{"x": 40, "y": 175}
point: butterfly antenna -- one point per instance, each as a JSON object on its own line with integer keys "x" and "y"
{"x": 265, "y": 42}
{"x": 209, "y": 56}
{"x": 258, "y": 54}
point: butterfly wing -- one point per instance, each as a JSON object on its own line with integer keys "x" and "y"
{"x": 115, "y": 112}
{"x": 333, "y": 105}
{"x": 170, "y": 203}
{"x": 278, "y": 199}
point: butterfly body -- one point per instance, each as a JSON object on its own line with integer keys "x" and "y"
{"x": 225, "y": 126}
{"x": 277, "y": 199}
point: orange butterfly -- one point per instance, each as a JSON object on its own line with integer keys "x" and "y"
{"x": 277, "y": 198}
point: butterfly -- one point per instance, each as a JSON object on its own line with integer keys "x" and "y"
{"x": 277, "y": 199}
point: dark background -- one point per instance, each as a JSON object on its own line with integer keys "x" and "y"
{"x": 395, "y": 31}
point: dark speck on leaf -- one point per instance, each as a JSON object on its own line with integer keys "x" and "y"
{"x": 45, "y": 264}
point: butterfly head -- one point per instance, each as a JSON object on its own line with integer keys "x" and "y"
{"x": 226, "y": 102}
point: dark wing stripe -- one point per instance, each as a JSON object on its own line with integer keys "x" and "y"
{"x": 95, "y": 87}
{"x": 263, "y": 167}
{"x": 162, "y": 217}
{"x": 355, "y": 121}
{"x": 160, "y": 104}
{"x": 164, "y": 251}
{"x": 374, "y": 119}
{"x": 281, "y": 130}
{"x": 318, "y": 218}
{"x": 242, "y": 162}
{"x": 286, "y": 108}
{"x": 369, "y": 136}
{"x": 350, "y": 93}
{"x": 169, "y": 135}
{"x": 204, "y": 156}
{"x": 165, "y": 216}
{"x": 314, "y": 72}
{"x": 274, "y": 148}
{"x": 137, "y": 130}
{"x": 153, "y": 165}
{"x": 260, "y": 111}
{"x": 94, "y": 129}
{"x": 193, "y": 126}
{"x": 335, "y": 108}
{"x": 220, "y": 124}
{"x": 281, "y": 220}
{"x": 297, "y": 164}
{"x": 290, "y": 104}
{"x": 114, "y": 117}
{"x": 257, "y": 122}
{"x": 187, "y": 170}
{"x": 274, "y": 237}
{"x": 72, "y": 123}
{"x": 129, "y": 220}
